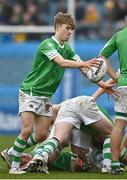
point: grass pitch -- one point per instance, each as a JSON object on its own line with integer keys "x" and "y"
{"x": 7, "y": 141}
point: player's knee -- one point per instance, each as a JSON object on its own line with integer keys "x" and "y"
{"x": 41, "y": 136}
{"x": 26, "y": 132}
{"x": 109, "y": 129}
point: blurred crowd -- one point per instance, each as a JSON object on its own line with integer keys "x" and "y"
{"x": 95, "y": 19}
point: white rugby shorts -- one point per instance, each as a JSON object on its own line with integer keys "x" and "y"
{"x": 40, "y": 105}
{"x": 77, "y": 110}
{"x": 121, "y": 104}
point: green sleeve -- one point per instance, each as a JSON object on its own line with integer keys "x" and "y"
{"x": 48, "y": 49}
{"x": 63, "y": 162}
{"x": 110, "y": 47}
{"x": 72, "y": 54}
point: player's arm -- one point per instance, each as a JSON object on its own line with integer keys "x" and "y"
{"x": 110, "y": 70}
{"x": 74, "y": 64}
{"x": 72, "y": 61}
{"x": 109, "y": 48}
{"x": 101, "y": 90}
{"x": 109, "y": 83}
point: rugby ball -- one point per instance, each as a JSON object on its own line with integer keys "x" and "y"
{"x": 95, "y": 74}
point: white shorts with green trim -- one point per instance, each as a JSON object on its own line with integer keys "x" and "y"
{"x": 40, "y": 105}
{"x": 121, "y": 104}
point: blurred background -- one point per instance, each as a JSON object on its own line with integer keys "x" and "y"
{"x": 25, "y": 23}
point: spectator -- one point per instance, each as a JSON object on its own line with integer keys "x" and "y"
{"x": 92, "y": 16}
{"x": 110, "y": 10}
{"x": 90, "y": 24}
{"x": 44, "y": 10}
{"x": 122, "y": 10}
{"x": 79, "y": 11}
{"x": 32, "y": 11}
{"x": 89, "y": 14}
{"x": 16, "y": 18}
{"x": 5, "y": 12}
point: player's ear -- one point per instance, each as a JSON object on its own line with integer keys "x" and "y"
{"x": 58, "y": 26}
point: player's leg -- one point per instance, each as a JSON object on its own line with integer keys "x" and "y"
{"x": 29, "y": 106}
{"x": 80, "y": 144}
{"x": 61, "y": 135}
{"x": 43, "y": 119}
{"x": 123, "y": 153}
{"x": 27, "y": 119}
{"x": 116, "y": 139}
{"x": 124, "y": 141}
{"x": 65, "y": 121}
{"x": 116, "y": 136}
{"x": 36, "y": 161}
{"x": 89, "y": 157}
{"x": 42, "y": 125}
{"x": 26, "y": 111}
{"x": 90, "y": 115}
{"x": 104, "y": 127}
{"x": 57, "y": 138}
{"x": 106, "y": 156}
{"x": 117, "y": 133}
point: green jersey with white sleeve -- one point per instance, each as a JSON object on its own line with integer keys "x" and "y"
{"x": 46, "y": 75}
{"x": 118, "y": 42}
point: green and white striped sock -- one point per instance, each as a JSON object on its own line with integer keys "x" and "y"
{"x": 107, "y": 153}
{"x": 18, "y": 148}
{"x": 49, "y": 148}
{"x": 31, "y": 141}
{"x": 37, "y": 152}
{"x": 115, "y": 164}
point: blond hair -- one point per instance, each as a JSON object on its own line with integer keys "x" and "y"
{"x": 64, "y": 18}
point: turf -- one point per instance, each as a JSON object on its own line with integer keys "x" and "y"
{"x": 6, "y": 141}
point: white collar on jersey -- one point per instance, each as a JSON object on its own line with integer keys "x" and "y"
{"x": 53, "y": 37}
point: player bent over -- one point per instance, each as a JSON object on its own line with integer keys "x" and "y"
{"x": 85, "y": 141}
{"x": 72, "y": 113}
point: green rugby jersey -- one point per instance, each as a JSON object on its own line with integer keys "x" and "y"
{"x": 93, "y": 131}
{"x": 118, "y": 42}
{"x": 46, "y": 75}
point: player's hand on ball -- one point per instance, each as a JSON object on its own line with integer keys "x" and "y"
{"x": 91, "y": 63}
{"x": 96, "y": 70}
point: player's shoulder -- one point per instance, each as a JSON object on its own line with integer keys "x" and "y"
{"x": 68, "y": 47}
{"x": 66, "y": 44}
{"x": 47, "y": 43}
{"x": 121, "y": 31}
